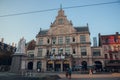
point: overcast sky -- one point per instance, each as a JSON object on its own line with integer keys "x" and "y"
{"x": 104, "y": 19}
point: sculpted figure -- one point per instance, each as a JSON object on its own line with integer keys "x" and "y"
{"x": 21, "y": 46}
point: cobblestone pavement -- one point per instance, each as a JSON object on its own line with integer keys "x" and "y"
{"x": 91, "y": 78}
{"x": 77, "y": 76}
{"x": 114, "y": 76}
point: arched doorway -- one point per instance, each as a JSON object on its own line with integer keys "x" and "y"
{"x": 39, "y": 65}
{"x": 84, "y": 65}
{"x": 98, "y": 65}
{"x": 57, "y": 65}
{"x": 49, "y": 65}
{"x": 30, "y": 66}
{"x": 65, "y": 65}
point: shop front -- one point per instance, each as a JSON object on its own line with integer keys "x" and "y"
{"x": 50, "y": 64}
{"x": 58, "y": 65}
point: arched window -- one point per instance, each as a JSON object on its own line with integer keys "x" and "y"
{"x": 39, "y": 65}
{"x": 30, "y": 66}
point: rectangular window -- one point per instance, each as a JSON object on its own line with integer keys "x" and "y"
{"x": 41, "y": 41}
{"x": 53, "y": 50}
{"x": 67, "y": 50}
{"x": 96, "y": 53}
{"x": 74, "y": 52}
{"x": 60, "y": 21}
{"x": 67, "y": 40}
{"x": 106, "y": 56}
{"x": 31, "y": 55}
{"x": 111, "y": 56}
{"x": 39, "y": 52}
{"x": 53, "y": 40}
{"x": 82, "y": 39}
{"x": 60, "y": 50}
{"x": 83, "y": 51}
{"x": 60, "y": 40}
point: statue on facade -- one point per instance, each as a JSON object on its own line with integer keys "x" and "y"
{"x": 21, "y": 46}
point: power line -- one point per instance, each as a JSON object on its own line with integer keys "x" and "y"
{"x": 59, "y": 8}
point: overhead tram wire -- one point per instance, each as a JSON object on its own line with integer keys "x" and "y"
{"x": 58, "y": 8}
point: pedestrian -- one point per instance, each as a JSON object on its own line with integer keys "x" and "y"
{"x": 90, "y": 71}
{"x": 69, "y": 73}
{"x": 66, "y": 73}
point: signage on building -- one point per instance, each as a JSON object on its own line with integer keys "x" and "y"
{"x": 57, "y": 57}
{"x": 110, "y": 39}
{"x": 111, "y": 43}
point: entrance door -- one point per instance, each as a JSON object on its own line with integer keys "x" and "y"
{"x": 30, "y": 66}
{"x": 49, "y": 65}
{"x": 65, "y": 65}
{"x": 98, "y": 66}
{"x": 84, "y": 65}
{"x": 57, "y": 66}
{"x": 39, "y": 65}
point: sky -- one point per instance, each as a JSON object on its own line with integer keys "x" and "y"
{"x": 104, "y": 19}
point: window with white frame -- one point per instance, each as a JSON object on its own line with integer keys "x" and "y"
{"x": 82, "y": 38}
{"x": 67, "y": 39}
{"x": 60, "y": 50}
{"x": 39, "y": 52}
{"x": 53, "y": 50}
{"x": 53, "y": 40}
{"x": 83, "y": 51}
{"x": 41, "y": 41}
{"x": 67, "y": 50}
{"x": 96, "y": 52}
{"x": 31, "y": 54}
{"x": 60, "y": 40}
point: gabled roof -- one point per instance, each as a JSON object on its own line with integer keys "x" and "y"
{"x": 31, "y": 45}
{"x": 82, "y": 29}
{"x": 42, "y": 32}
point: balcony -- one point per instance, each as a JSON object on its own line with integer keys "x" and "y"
{"x": 58, "y": 56}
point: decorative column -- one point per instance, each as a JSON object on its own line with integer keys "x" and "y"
{"x": 34, "y": 65}
{"x": 43, "y": 65}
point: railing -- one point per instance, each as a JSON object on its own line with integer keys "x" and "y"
{"x": 58, "y": 56}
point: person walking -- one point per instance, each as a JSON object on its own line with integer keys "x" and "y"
{"x": 66, "y": 73}
{"x": 69, "y": 73}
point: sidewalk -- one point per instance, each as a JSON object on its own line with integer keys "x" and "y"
{"x": 92, "y": 75}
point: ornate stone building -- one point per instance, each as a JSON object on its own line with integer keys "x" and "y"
{"x": 61, "y": 46}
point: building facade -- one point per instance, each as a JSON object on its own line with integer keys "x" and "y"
{"x": 6, "y": 52}
{"x": 60, "y": 47}
{"x": 111, "y": 50}
{"x": 65, "y": 46}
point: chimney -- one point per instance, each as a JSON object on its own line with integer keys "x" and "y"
{"x": 117, "y": 33}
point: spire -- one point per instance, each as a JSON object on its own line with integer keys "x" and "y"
{"x": 60, "y": 6}
{"x": 61, "y": 11}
